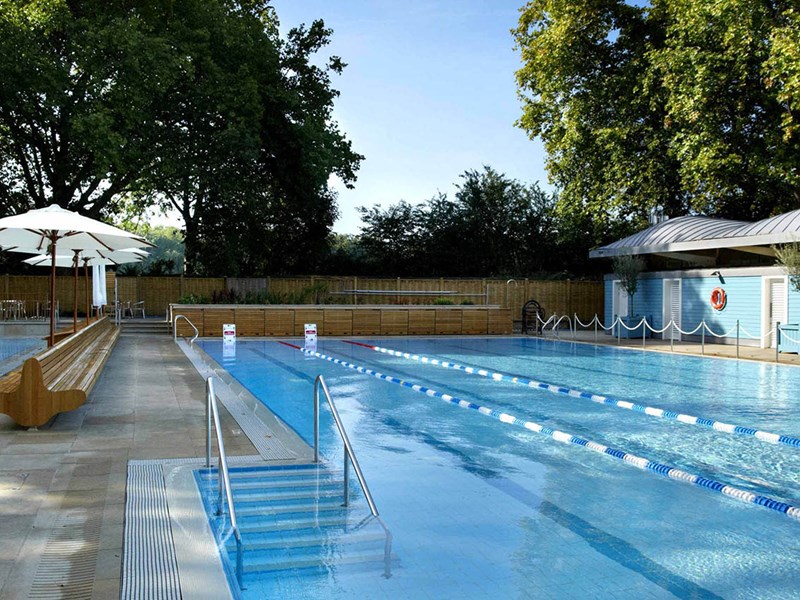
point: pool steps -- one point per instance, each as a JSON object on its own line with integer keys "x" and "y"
{"x": 293, "y": 518}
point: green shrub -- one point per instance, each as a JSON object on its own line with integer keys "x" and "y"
{"x": 192, "y": 299}
{"x": 443, "y": 302}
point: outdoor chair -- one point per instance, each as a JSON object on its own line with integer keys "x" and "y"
{"x": 135, "y": 307}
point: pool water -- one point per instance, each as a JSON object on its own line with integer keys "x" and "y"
{"x": 13, "y": 348}
{"x": 480, "y": 508}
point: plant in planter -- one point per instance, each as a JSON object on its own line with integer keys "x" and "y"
{"x": 789, "y": 258}
{"x": 627, "y": 269}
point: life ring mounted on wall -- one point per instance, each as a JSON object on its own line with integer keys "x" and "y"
{"x": 718, "y": 298}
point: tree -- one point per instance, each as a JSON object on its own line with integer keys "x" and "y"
{"x": 783, "y": 70}
{"x": 725, "y": 122}
{"x": 197, "y": 104}
{"x": 494, "y": 226}
{"x": 627, "y": 269}
{"x": 662, "y": 105}
{"x": 392, "y": 239}
{"x": 789, "y": 258}
{"x": 82, "y": 85}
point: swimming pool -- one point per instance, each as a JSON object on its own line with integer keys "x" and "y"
{"x": 479, "y": 507}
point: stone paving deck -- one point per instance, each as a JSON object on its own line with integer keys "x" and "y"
{"x": 148, "y": 403}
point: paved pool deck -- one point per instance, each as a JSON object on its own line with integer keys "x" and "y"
{"x": 680, "y": 347}
{"x": 70, "y": 476}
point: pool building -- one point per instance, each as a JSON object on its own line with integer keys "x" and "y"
{"x": 713, "y": 270}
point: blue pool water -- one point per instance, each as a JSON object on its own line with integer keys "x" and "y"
{"x": 480, "y": 508}
{"x": 11, "y": 348}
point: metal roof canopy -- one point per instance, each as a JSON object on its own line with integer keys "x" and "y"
{"x": 693, "y": 233}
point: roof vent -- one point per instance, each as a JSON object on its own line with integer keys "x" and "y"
{"x": 657, "y": 215}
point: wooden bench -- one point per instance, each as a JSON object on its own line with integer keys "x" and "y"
{"x": 60, "y": 378}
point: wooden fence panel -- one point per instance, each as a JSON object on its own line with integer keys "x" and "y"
{"x": 279, "y": 322}
{"x": 474, "y": 321}
{"x": 249, "y": 321}
{"x": 562, "y": 297}
{"x": 367, "y": 322}
{"x": 394, "y": 322}
{"x": 337, "y": 322}
{"x": 421, "y": 322}
{"x": 304, "y": 315}
{"x": 214, "y": 319}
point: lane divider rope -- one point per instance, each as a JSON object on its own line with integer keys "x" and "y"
{"x": 567, "y": 438}
{"x": 764, "y": 436}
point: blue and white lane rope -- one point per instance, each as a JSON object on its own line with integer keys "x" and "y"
{"x": 764, "y": 436}
{"x": 561, "y": 436}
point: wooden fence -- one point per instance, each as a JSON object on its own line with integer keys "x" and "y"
{"x": 283, "y": 320}
{"x": 584, "y": 298}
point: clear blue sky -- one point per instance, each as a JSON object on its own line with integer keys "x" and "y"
{"x": 428, "y": 93}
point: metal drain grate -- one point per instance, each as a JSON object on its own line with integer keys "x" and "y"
{"x": 67, "y": 567}
{"x": 149, "y": 566}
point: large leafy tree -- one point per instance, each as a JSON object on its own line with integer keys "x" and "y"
{"x": 82, "y": 85}
{"x": 677, "y": 104}
{"x": 253, "y": 143}
{"x": 195, "y": 104}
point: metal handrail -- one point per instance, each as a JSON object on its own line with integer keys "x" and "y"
{"x": 348, "y": 449}
{"x": 319, "y": 382}
{"x": 175, "y": 328}
{"x": 223, "y": 477}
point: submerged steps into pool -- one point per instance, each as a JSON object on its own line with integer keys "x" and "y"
{"x": 294, "y": 518}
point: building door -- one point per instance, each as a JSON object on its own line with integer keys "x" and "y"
{"x": 672, "y": 308}
{"x": 619, "y": 300}
{"x": 775, "y": 312}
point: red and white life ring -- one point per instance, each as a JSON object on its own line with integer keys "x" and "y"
{"x": 718, "y": 298}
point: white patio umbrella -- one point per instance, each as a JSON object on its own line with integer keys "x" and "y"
{"x": 62, "y": 230}
{"x": 90, "y": 258}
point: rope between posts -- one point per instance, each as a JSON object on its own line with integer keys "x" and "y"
{"x": 639, "y": 324}
{"x": 739, "y": 331}
{"x": 719, "y": 335}
{"x": 788, "y": 337}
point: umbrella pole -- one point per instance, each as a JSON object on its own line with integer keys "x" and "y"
{"x": 52, "y": 339}
{"x": 86, "y": 274}
{"x": 75, "y": 293}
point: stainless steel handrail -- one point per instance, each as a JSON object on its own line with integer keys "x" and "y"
{"x": 175, "y": 328}
{"x": 319, "y": 382}
{"x": 223, "y": 477}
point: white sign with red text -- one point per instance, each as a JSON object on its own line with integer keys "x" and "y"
{"x": 229, "y": 332}
{"x": 311, "y": 337}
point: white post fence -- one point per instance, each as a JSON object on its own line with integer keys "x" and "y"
{"x": 554, "y": 323}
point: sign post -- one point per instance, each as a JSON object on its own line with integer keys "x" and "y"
{"x": 228, "y": 340}
{"x": 311, "y": 337}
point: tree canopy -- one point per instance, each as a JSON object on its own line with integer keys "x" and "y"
{"x": 197, "y": 104}
{"x": 494, "y": 226}
{"x": 687, "y": 104}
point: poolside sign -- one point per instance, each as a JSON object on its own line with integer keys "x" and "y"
{"x": 229, "y": 332}
{"x": 311, "y": 337}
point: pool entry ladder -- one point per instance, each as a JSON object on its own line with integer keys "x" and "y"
{"x": 294, "y": 516}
